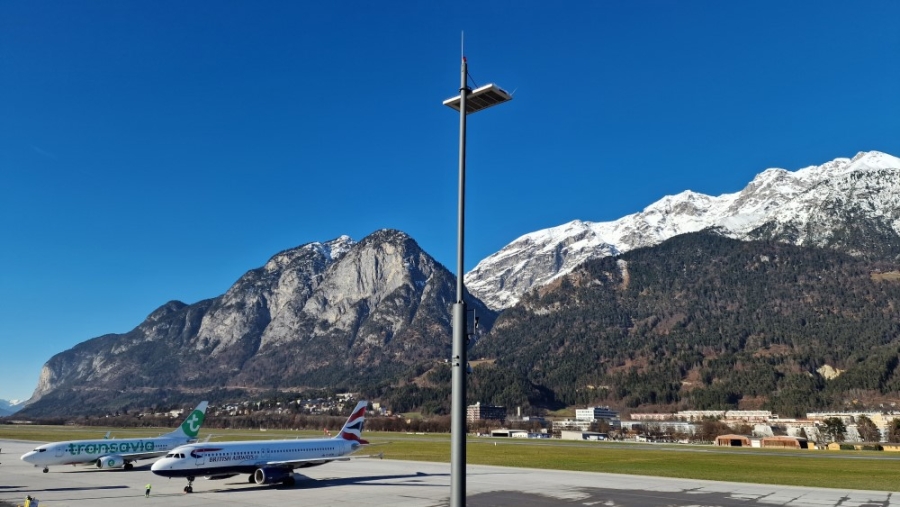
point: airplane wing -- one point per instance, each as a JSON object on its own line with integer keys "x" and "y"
{"x": 126, "y": 456}
{"x": 311, "y": 462}
{"x": 301, "y": 463}
{"x": 134, "y": 456}
{"x": 79, "y": 462}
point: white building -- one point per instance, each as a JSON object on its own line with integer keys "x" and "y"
{"x": 595, "y": 414}
{"x": 572, "y": 425}
{"x": 582, "y": 435}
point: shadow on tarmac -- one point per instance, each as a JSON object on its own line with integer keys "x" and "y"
{"x": 305, "y": 482}
{"x": 58, "y": 490}
{"x": 73, "y": 489}
{"x": 91, "y": 469}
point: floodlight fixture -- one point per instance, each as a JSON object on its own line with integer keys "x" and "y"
{"x": 480, "y": 98}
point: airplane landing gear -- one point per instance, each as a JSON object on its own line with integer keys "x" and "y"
{"x": 46, "y": 469}
{"x": 189, "y": 488}
{"x": 128, "y": 466}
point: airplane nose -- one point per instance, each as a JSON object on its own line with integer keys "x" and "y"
{"x": 27, "y": 456}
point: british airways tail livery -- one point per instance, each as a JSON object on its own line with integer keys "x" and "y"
{"x": 267, "y": 461}
{"x": 116, "y": 452}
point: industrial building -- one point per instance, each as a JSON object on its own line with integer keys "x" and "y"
{"x": 733, "y": 441}
{"x": 582, "y": 435}
{"x": 785, "y": 442}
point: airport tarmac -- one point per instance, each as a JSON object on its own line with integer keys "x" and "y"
{"x": 371, "y": 482}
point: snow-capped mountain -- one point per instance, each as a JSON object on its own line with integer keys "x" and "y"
{"x": 10, "y": 407}
{"x": 849, "y": 204}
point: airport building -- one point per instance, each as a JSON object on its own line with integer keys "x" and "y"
{"x": 479, "y": 412}
{"x": 595, "y": 414}
{"x": 509, "y": 433}
{"x": 667, "y": 427}
{"x": 585, "y": 418}
{"x": 572, "y": 425}
{"x": 583, "y": 424}
{"x": 582, "y": 435}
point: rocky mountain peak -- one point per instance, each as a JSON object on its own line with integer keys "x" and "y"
{"x": 165, "y": 310}
{"x": 849, "y": 204}
{"x": 335, "y": 313}
{"x": 533, "y": 260}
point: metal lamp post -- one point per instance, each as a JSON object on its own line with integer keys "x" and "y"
{"x": 468, "y": 101}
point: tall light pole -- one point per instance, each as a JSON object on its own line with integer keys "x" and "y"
{"x": 468, "y": 101}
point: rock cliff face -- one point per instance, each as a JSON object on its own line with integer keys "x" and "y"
{"x": 334, "y": 314}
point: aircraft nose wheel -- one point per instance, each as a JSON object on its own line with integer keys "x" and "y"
{"x": 189, "y": 488}
{"x": 46, "y": 469}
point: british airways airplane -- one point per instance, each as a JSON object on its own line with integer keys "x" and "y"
{"x": 267, "y": 461}
{"x": 116, "y": 452}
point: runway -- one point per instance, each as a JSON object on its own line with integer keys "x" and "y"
{"x": 374, "y": 482}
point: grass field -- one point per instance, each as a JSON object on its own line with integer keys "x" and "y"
{"x": 830, "y": 469}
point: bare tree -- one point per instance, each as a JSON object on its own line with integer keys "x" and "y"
{"x": 834, "y": 429}
{"x": 867, "y": 429}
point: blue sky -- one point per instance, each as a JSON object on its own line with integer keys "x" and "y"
{"x": 152, "y": 151}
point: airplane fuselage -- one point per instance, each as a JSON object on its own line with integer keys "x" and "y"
{"x": 76, "y": 452}
{"x": 116, "y": 452}
{"x": 223, "y": 458}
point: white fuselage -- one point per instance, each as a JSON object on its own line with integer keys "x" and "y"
{"x": 223, "y": 458}
{"x": 76, "y": 452}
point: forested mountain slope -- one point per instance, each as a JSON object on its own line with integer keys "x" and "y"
{"x": 703, "y": 321}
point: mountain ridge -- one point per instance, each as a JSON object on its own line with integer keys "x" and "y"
{"x": 851, "y": 204}
{"x": 376, "y": 313}
{"x": 10, "y": 407}
{"x": 339, "y": 313}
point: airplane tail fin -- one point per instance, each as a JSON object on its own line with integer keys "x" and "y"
{"x": 353, "y": 428}
{"x": 191, "y": 425}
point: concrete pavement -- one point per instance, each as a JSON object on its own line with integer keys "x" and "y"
{"x": 373, "y": 482}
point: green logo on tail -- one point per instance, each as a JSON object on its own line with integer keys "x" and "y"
{"x": 191, "y": 425}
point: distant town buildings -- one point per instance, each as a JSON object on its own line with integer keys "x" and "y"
{"x": 748, "y": 416}
{"x": 764, "y": 423}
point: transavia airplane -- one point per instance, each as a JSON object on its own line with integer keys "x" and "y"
{"x": 116, "y": 452}
{"x": 267, "y": 461}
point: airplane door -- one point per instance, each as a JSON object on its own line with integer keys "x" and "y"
{"x": 201, "y": 459}
{"x": 60, "y": 450}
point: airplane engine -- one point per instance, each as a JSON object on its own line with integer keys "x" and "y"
{"x": 111, "y": 461}
{"x": 273, "y": 475}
